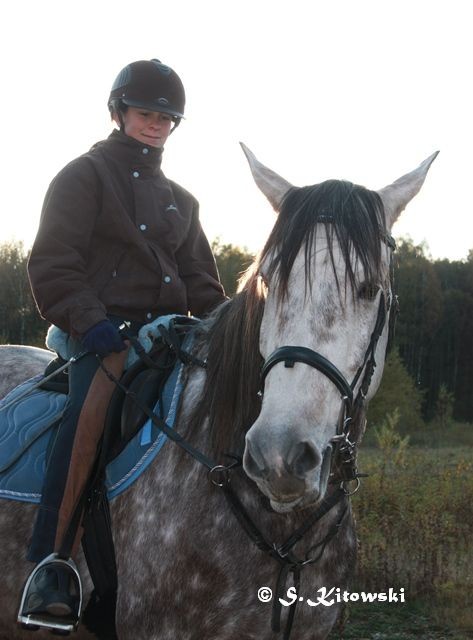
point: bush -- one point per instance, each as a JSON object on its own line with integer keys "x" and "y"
{"x": 415, "y": 522}
{"x": 397, "y": 392}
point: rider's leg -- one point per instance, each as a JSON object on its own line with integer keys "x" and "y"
{"x": 69, "y": 466}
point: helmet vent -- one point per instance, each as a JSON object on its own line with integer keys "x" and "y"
{"x": 165, "y": 70}
{"x": 122, "y": 79}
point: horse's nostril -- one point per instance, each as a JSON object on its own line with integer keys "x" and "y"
{"x": 305, "y": 458}
{"x": 250, "y": 464}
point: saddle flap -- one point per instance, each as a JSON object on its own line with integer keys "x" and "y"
{"x": 146, "y": 388}
{"x": 124, "y": 418}
{"x": 27, "y": 426}
{"x": 23, "y": 422}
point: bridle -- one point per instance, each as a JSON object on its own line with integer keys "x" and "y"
{"x": 343, "y": 467}
{"x": 343, "y": 459}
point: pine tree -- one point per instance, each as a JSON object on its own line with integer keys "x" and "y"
{"x": 397, "y": 393}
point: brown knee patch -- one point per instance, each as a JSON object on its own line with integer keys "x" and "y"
{"x": 88, "y": 433}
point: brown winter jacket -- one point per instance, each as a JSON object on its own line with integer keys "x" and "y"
{"x": 116, "y": 237}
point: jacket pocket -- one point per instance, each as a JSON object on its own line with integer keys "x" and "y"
{"x": 106, "y": 273}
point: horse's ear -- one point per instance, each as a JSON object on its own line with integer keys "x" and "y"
{"x": 396, "y": 196}
{"x": 270, "y": 183}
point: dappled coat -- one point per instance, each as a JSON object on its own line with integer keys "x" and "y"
{"x": 116, "y": 237}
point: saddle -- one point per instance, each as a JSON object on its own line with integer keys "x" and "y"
{"x": 144, "y": 380}
{"x": 130, "y": 443}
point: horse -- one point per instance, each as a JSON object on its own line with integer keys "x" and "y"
{"x": 292, "y": 362}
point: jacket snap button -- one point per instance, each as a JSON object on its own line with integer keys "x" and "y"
{"x": 149, "y": 316}
{"x": 136, "y": 174}
{"x": 145, "y": 151}
{"x": 167, "y": 279}
{"x": 143, "y": 227}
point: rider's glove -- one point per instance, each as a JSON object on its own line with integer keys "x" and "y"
{"x": 102, "y": 339}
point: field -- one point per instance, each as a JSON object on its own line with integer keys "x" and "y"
{"x": 415, "y": 524}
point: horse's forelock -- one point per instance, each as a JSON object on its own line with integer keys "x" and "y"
{"x": 353, "y": 217}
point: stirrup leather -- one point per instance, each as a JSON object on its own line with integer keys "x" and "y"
{"x": 59, "y": 624}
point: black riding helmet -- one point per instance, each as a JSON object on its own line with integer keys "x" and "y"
{"x": 151, "y": 85}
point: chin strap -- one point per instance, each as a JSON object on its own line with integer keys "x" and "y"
{"x": 177, "y": 122}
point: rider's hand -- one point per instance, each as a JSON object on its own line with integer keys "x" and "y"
{"x": 102, "y": 339}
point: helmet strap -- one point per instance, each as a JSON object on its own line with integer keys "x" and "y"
{"x": 115, "y": 109}
{"x": 177, "y": 122}
{"x": 120, "y": 119}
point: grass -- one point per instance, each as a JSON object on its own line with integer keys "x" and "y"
{"x": 411, "y": 621}
{"x": 415, "y": 524}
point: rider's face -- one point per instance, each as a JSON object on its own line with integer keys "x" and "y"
{"x": 148, "y": 127}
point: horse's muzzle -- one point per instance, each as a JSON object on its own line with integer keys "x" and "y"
{"x": 285, "y": 473}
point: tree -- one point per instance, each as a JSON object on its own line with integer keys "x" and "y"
{"x": 444, "y": 407}
{"x": 20, "y": 322}
{"x": 420, "y": 296}
{"x": 451, "y": 357}
{"x": 232, "y": 261}
{"x": 397, "y": 394}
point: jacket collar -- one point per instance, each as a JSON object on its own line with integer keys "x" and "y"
{"x": 131, "y": 152}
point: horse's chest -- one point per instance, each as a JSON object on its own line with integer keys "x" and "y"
{"x": 187, "y": 570}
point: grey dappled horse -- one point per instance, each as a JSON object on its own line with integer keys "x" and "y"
{"x": 314, "y": 309}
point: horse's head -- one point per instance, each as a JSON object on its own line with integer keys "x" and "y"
{"x": 326, "y": 273}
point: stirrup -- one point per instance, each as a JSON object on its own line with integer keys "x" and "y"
{"x": 61, "y": 625}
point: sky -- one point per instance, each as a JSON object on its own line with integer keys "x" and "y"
{"x": 362, "y": 90}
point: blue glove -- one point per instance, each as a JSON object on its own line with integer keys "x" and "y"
{"x": 102, "y": 339}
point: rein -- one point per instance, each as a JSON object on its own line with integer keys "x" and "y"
{"x": 343, "y": 457}
{"x": 219, "y": 475}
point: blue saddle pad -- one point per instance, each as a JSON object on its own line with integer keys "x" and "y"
{"x": 28, "y": 427}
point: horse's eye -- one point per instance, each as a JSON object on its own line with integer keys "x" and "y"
{"x": 368, "y": 291}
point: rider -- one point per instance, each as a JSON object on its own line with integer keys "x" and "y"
{"x": 117, "y": 242}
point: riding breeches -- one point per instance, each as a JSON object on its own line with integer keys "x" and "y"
{"x": 73, "y": 453}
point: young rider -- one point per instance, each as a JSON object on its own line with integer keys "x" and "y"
{"x": 117, "y": 241}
